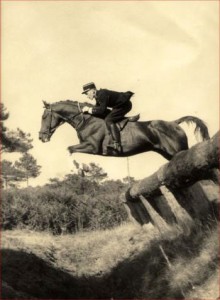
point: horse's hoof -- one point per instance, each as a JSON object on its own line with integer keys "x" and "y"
{"x": 105, "y": 153}
{"x": 70, "y": 149}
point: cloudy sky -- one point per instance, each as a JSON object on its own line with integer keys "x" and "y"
{"x": 166, "y": 52}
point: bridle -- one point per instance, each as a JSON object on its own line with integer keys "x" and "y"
{"x": 51, "y": 112}
{"x": 49, "y": 129}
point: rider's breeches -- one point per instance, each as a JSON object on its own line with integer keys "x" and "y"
{"x": 117, "y": 114}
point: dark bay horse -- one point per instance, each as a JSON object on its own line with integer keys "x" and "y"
{"x": 166, "y": 138}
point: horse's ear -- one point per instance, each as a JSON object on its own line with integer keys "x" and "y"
{"x": 46, "y": 105}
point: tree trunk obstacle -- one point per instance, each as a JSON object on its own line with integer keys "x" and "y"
{"x": 183, "y": 189}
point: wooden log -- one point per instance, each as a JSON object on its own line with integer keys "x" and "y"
{"x": 185, "y": 168}
{"x": 136, "y": 211}
{"x": 160, "y": 204}
{"x": 183, "y": 218}
{"x": 156, "y": 219}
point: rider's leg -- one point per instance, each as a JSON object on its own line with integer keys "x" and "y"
{"x": 115, "y": 133}
{"x": 117, "y": 114}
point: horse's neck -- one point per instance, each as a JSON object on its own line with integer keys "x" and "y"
{"x": 72, "y": 114}
{"x": 80, "y": 121}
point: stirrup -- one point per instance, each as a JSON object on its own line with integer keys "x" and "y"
{"x": 116, "y": 147}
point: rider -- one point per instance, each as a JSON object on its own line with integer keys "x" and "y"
{"x": 119, "y": 103}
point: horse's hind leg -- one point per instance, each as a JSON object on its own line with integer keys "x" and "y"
{"x": 174, "y": 146}
{"x": 171, "y": 138}
{"x": 166, "y": 155}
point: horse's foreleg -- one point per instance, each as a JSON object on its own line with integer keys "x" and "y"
{"x": 84, "y": 147}
{"x": 81, "y": 148}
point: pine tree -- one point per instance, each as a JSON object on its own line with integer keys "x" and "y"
{"x": 27, "y": 165}
{"x": 129, "y": 180}
{"x": 10, "y": 173}
{"x": 92, "y": 171}
{"x": 12, "y": 140}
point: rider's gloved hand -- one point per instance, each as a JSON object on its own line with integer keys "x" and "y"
{"x": 87, "y": 109}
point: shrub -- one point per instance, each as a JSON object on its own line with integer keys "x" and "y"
{"x": 59, "y": 209}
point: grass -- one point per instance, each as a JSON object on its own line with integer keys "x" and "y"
{"x": 82, "y": 253}
{"x": 124, "y": 262}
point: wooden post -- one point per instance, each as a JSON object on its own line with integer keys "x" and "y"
{"x": 156, "y": 219}
{"x": 136, "y": 211}
{"x": 183, "y": 218}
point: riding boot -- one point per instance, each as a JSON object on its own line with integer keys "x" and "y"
{"x": 115, "y": 133}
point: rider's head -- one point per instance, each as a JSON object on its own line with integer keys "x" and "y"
{"x": 90, "y": 90}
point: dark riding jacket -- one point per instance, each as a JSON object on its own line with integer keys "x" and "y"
{"x": 106, "y": 98}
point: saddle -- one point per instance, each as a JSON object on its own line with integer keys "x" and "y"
{"x": 121, "y": 124}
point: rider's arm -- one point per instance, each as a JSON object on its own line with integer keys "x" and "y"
{"x": 101, "y": 104}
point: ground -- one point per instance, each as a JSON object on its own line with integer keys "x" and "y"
{"x": 128, "y": 261}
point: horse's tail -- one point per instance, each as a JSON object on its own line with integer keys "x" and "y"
{"x": 200, "y": 128}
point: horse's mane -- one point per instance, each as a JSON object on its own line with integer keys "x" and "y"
{"x": 73, "y": 102}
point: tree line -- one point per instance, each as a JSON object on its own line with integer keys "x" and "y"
{"x": 26, "y": 166}
{"x": 83, "y": 200}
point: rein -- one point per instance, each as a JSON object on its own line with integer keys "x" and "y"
{"x": 83, "y": 117}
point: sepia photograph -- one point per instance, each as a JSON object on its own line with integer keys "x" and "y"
{"x": 109, "y": 149}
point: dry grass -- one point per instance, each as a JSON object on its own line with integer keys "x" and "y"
{"x": 124, "y": 262}
{"x": 87, "y": 253}
{"x": 208, "y": 290}
{"x": 200, "y": 266}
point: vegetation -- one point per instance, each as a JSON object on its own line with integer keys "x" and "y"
{"x": 9, "y": 173}
{"x": 106, "y": 257}
{"x": 27, "y": 166}
{"x": 16, "y": 141}
{"x": 65, "y": 206}
{"x": 13, "y": 140}
{"x": 23, "y": 169}
{"x": 125, "y": 262}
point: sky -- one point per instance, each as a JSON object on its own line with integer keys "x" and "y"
{"x": 167, "y": 52}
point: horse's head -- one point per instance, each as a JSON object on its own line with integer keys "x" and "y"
{"x": 49, "y": 123}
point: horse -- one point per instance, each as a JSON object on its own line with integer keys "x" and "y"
{"x": 164, "y": 137}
